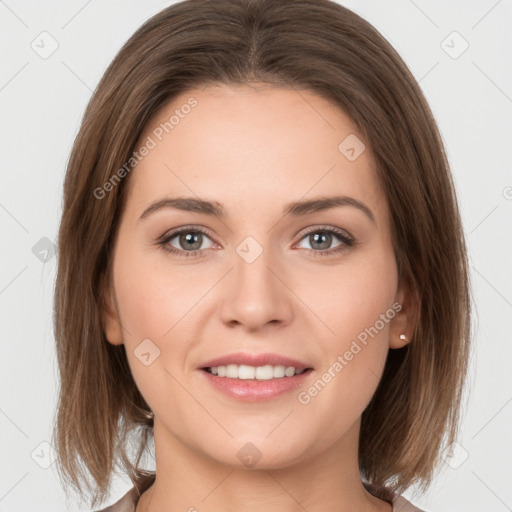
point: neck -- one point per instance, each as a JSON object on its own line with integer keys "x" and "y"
{"x": 186, "y": 479}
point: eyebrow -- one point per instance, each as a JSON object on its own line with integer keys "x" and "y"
{"x": 295, "y": 209}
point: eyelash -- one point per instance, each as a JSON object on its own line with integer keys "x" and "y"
{"x": 347, "y": 241}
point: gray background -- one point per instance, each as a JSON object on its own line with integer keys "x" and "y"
{"x": 42, "y": 101}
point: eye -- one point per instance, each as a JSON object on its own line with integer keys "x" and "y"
{"x": 321, "y": 239}
{"x": 187, "y": 241}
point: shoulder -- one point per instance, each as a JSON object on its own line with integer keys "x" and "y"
{"x": 400, "y": 504}
{"x": 125, "y": 504}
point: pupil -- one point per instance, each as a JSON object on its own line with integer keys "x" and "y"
{"x": 192, "y": 240}
{"x": 323, "y": 238}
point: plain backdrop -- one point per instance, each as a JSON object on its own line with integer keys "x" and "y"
{"x": 461, "y": 54}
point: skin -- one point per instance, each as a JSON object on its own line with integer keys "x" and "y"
{"x": 253, "y": 149}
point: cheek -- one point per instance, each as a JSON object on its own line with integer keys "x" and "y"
{"x": 356, "y": 306}
{"x": 351, "y": 297}
{"x": 354, "y": 357}
{"x": 151, "y": 299}
{"x": 153, "y": 306}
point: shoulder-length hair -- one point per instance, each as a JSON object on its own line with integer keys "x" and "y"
{"x": 316, "y": 45}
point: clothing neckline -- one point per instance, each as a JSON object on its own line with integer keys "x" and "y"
{"x": 128, "y": 503}
{"x": 134, "y": 494}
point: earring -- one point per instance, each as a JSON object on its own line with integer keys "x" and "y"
{"x": 403, "y": 337}
{"x": 147, "y": 414}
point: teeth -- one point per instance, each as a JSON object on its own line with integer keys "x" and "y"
{"x": 245, "y": 372}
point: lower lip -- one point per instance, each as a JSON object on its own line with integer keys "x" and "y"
{"x": 252, "y": 390}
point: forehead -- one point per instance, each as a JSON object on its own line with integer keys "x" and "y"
{"x": 262, "y": 143}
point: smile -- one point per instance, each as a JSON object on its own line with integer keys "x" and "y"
{"x": 246, "y": 372}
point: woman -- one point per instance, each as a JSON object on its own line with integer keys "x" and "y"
{"x": 261, "y": 268}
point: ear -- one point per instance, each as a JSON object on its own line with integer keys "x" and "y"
{"x": 404, "y": 322}
{"x": 110, "y": 318}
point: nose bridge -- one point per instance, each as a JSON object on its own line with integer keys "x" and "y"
{"x": 257, "y": 296}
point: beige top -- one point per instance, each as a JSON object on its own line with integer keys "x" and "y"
{"x": 128, "y": 502}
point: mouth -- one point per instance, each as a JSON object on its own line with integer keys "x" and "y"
{"x": 247, "y": 366}
{"x": 255, "y": 377}
{"x": 247, "y": 372}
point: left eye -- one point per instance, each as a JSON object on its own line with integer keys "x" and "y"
{"x": 320, "y": 240}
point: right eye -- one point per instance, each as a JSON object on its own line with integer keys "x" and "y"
{"x": 187, "y": 242}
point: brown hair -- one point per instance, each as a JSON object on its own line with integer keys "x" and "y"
{"x": 316, "y": 45}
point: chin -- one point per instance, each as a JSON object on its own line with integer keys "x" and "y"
{"x": 260, "y": 452}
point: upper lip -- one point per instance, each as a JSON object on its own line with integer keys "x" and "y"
{"x": 255, "y": 360}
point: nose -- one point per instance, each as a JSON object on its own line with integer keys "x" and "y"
{"x": 257, "y": 294}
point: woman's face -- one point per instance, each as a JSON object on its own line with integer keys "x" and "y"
{"x": 307, "y": 282}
